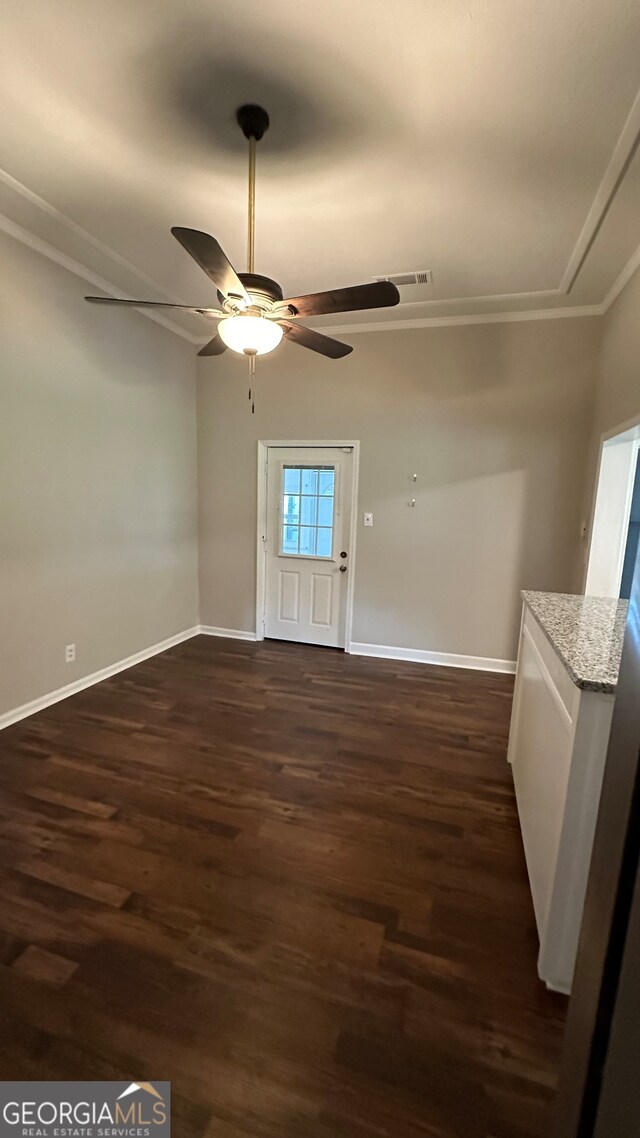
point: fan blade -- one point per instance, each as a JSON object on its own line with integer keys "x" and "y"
{"x": 309, "y": 338}
{"x": 380, "y": 294}
{"x": 154, "y": 304}
{"x": 206, "y": 251}
{"x": 215, "y": 347}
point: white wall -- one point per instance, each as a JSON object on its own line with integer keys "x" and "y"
{"x": 495, "y": 421}
{"x": 98, "y": 536}
{"x": 97, "y": 473}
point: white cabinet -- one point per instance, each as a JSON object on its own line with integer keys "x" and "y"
{"x": 557, "y": 748}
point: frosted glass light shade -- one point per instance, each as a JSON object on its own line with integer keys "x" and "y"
{"x": 250, "y": 334}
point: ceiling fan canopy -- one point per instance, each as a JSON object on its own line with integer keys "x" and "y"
{"x": 253, "y": 314}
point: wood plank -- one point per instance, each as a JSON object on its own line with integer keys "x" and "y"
{"x": 75, "y": 882}
{"x": 289, "y": 880}
{"x": 38, "y": 964}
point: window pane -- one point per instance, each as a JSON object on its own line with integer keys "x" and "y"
{"x": 291, "y": 480}
{"x": 309, "y": 480}
{"x": 307, "y": 541}
{"x": 290, "y": 539}
{"x": 324, "y": 542}
{"x": 291, "y": 511}
{"x": 309, "y": 510}
{"x": 325, "y": 511}
{"x": 326, "y": 480}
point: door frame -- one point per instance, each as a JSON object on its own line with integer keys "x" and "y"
{"x": 264, "y": 445}
{"x": 630, "y": 427}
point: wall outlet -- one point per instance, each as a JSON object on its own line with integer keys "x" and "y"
{"x": 367, "y": 520}
{"x": 70, "y": 653}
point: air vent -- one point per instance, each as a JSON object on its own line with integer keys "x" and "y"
{"x": 419, "y": 277}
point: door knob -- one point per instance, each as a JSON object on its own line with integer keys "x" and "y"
{"x": 343, "y": 568}
{"x": 344, "y": 553}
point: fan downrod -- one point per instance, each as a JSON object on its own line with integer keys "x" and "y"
{"x": 252, "y": 120}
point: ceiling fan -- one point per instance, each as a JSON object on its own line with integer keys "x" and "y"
{"x": 253, "y": 314}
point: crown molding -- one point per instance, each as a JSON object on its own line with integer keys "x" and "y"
{"x": 612, "y": 178}
{"x": 617, "y": 167}
{"x": 484, "y": 298}
{"x": 39, "y": 245}
{"x": 73, "y": 227}
{"x": 52, "y": 254}
{"x": 610, "y": 183}
{"x": 457, "y": 321}
{"x": 632, "y": 265}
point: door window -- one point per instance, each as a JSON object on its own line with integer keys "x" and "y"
{"x": 308, "y": 496}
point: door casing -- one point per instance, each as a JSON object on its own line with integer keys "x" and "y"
{"x": 261, "y": 531}
{"x": 630, "y": 427}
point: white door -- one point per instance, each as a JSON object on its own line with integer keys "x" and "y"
{"x": 308, "y": 543}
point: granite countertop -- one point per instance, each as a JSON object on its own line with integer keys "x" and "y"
{"x": 586, "y": 632}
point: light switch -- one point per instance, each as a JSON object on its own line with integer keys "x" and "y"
{"x": 367, "y": 520}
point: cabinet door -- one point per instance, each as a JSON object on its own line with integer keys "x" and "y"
{"x": 541, "y": 759}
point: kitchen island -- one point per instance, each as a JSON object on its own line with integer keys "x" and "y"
{"x": 568, "y": 662}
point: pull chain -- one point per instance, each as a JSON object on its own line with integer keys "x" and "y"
{"x": 252, "y": 379}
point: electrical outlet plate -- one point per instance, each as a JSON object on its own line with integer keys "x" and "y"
{"x": 70, "y": 653}
{"x": 367, "y": 520}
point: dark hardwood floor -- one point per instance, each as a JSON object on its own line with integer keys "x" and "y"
{"x": 288, "y": 880}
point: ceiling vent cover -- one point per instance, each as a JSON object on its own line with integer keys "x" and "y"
{"x": 417, "y": 277}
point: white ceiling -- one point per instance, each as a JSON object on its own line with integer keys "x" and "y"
{"x": 492, "y": 141}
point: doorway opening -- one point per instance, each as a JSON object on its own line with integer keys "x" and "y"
{"x": 633, "y": 536}
{"x": 616, "y": 516}
{"x": 307, "y": 503}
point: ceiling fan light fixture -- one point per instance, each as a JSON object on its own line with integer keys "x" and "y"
{"x": 253, "y": 314}
{"x": 250, "y": 335}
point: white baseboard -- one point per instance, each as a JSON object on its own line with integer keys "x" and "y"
{"x": 417, "y": 655}
{"x": 43, "y": 701}
{"x": 442, "y": 659}
{"x": 564, "y": 989}
{"x": 228, "y": 633}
